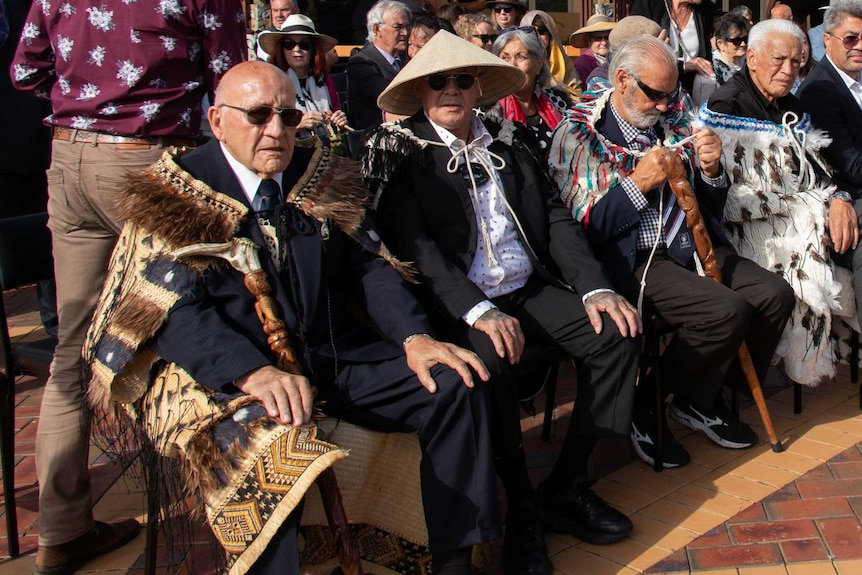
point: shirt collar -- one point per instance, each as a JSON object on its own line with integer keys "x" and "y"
{"x": 481, "y": 136}
{"x": 389, "y": 57}
{"x": 849, "y": 81}
{"x": 248, "y": 180}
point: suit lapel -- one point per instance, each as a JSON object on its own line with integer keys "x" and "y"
{"x": 849, "y": 100}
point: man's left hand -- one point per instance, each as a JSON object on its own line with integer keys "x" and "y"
{"x": 621, "y": 311}
{"x": 843, "y": 226}
{"x": 424, "y": 352}
{"x": 707, "y": 146}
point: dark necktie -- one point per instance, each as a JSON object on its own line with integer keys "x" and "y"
{"x": 396, "y": 64}
{"x": 270, "y": 194}
{"x": 645, "y": 140}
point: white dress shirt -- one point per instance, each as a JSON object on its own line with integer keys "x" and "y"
{"x": 852, "y": 83}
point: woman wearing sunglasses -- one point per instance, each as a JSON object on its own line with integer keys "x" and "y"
{"x": 561, "y": 67}
{"x": 731, "y": 41}
{"x": 593, "y": 41}
{"x": 535, "y": 104}
{"x": 507, "y": 13}
{"x": 301, "y": 52}
{"x": 477, "y": 29}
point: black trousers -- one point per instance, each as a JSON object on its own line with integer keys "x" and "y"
{"x": 712, "y": 320}
{"x": 459, "y": 490}
{"x": 554, "y": 318}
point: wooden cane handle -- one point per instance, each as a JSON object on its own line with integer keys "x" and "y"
{"x": 677, "y": 179}
{"x": 274, "y": 328}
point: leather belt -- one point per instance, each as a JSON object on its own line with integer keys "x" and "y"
{"x": 121, "y": 142}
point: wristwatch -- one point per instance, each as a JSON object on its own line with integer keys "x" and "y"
{"x": 840, "y": 195}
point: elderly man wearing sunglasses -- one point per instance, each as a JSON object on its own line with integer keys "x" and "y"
{"x": 289, "y": 212}
{"x": 504, "y": 271}
{"x": 608, "y": 159}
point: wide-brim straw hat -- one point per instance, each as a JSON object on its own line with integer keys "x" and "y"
{"x": 596, "y": 23}
{"x": 296, "y": 24}
{"x": 442, "y": 53}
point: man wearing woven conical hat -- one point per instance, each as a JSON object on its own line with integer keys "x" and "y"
{"x": 502, "y": 264}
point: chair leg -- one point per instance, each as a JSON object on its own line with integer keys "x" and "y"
{"x": 333, "y": 506}
{"x": 797, "y": 398}
{"x": 151, "y": 546}
{"x": 7, "y": 455}
{"x": 854, "y": 362}
{"x": 550, "y": 399}
{"x": 655, "y": 352}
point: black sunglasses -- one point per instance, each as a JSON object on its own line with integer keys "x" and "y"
{"x": 653, "y": 94}
{"x": 505, "y": 9}
{"x": 485, "y": 38}
{"x": 849, "y": 42}
{"x": 737, "y": 41}
{"x": 289, "y": 44}
{"x": 260, "y": 115}
{"x": 542, "y": 30}
{"x": 463, "y": 81}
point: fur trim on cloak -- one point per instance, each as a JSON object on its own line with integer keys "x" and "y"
{"x": 585, "y": 164}
{"x": 776, "y": 215}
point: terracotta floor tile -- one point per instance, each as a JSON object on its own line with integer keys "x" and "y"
{"x": 856, "y": 505}
{"x": 676, "y": 562}
{"x": 715, "y": 537}
{"x": 718, "y": 572}
{"x": 787, "y": 460}
{"x": 628, "y": 552}
{"x": 846, "y": 469}
{"x": 773, "y": 531}
{"x": 645, "y": 479}
{"x": 557, "y": 543}
{"x": 831, "y": 437}
{"x": 769, "y": 570}
{"x": 849, "y": 454}
{"x": 818, "y": 568}
{"x": 787, "y": 493}
{"x": 625, "y": 498}
{"x": 735, "y": 485}
{"x": 826, "y": 507}
{"x": 709, "y": 500}
{"x": 803, "y": 550}
{"x": 832, "y": 421}
{"x": 834, "y": 488}
{"x": 734, "y": 556}
{"x": 661, "y": 535}
{"x": 822, "y": 473}
{"x": 762, "y": 473}
{"x": 750, "y": 514}
{"x": 843, "y": 536}
{"x": 851, "y": 567}
{"x": 807, "y": 447}
{"x": 577, "y": 561}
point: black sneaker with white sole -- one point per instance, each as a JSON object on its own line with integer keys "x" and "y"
{"x": 643, "y": 441}
{"x": 717, "y": 422}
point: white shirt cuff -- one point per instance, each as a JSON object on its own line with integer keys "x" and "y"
{"x": 590, "y": 294}
{"x": 476, "y": 311}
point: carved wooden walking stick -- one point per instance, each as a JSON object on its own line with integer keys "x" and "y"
{"x": 242, "y": 255}
{"x": 677, "y": 179}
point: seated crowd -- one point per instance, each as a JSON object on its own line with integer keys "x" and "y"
{"x": 507, "y": 208}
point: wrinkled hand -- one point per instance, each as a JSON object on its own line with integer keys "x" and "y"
{"x": 286, "y": 397}
{"x": 311, "y": 120}
{"x": 425, "y": 352}
{"x": 707, "y": 146}
{"x": 664, "y": 37}
{"x": 618, "y": 308}
{"x": 649, "y": 173}
{"x": 700, "y": 65}
{"x": 505, "y": 333}
{"x": 843, "y": 226}
{"x": 338, "y": 119}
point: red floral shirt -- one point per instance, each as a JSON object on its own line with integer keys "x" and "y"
{"x": 128, "y": 67}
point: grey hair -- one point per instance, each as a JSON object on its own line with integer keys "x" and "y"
{"x": 838, "y": 10}
{"x": 759, "y": 32}
{"x": 535, "y": 47}
{"x": 638, "y": 53}
{"x": 375, "y": 15}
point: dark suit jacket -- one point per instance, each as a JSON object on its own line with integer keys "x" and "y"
{"x": 825, "y": 96}
{"x": 703, "y": 14}
{"x": 426, "y": 216}
{"x": 614, "y": 222}
{"x": 368, "y": 74}
{"x": 214, "y": 333}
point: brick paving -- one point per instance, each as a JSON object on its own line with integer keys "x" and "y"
{"x": 750, "y": 512}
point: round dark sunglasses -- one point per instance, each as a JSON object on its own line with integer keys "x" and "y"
{"x": 485, "y": 38}
{"x": 304, "y": 45}
{"x": 260, "y": 115}
{"x": 438, "y": 81}
{"x": 737, "y": 41}
{"x": 505, "y": 9}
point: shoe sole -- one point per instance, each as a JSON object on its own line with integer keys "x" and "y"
{"x": 643, "y": 455}
{"x": 569, "y": 527}
{"x": 685, "y": 419}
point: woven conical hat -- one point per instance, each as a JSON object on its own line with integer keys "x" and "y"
{"x": 442, "y": 53}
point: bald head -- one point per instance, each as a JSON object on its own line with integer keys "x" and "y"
{"x": 256, "y": 87}
{"x": 781, "y": 12}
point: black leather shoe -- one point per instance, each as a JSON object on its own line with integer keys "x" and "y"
{"x": 66, "y": 558}
{"x": 580, "y": 512}
{"x": 524, "y": 550}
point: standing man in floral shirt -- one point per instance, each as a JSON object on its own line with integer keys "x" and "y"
{"x": 125, "y": 79}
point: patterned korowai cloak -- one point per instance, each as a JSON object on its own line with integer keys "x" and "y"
{"x": 246, "y": 471}
{"x": 776, "y": 215}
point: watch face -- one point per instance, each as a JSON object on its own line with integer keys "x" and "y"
{"x": 845, "y": 196}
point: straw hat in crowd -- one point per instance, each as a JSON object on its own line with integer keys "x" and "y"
{"x": 296, "y": 24}
{"x": 580, "y": 38}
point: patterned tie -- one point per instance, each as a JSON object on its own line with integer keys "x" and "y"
{"x": 270, "y": 194}
{"x": 396, "y": 64}
{"x": 645, "y": 139}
